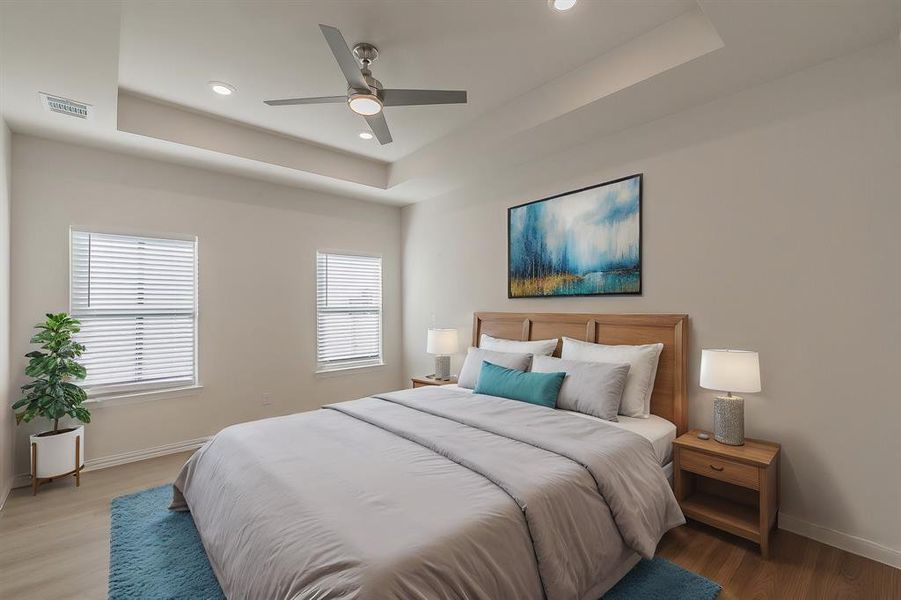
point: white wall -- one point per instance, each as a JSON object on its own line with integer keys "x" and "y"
{"x": 7, "y": 421}
{"x": 257, "y": 291}
{"x": 771, "y": 218}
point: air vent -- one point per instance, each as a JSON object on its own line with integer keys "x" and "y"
{"x": 65, "y": 106}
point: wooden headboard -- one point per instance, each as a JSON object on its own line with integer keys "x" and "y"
{"x": 670, "y": 396}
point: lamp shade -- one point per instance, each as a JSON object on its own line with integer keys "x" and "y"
{"x": 730, "y": 370}
{"x": 442, "y": 341}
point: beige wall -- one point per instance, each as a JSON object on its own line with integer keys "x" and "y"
{"x": 257, "y": 245}
{"x": 7, "y": 422}
{"x": 771, "y": 218}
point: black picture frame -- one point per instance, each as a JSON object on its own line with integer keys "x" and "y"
{"x": 638, "y": 292}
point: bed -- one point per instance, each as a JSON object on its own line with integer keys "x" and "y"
{"x": 655, "y": 429}
{"x": 437, "y": 492}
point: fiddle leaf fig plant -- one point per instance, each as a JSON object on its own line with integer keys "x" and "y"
{"x": 52, "y": 394}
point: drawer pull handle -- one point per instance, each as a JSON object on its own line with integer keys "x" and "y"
{"x": 716, "y": 468}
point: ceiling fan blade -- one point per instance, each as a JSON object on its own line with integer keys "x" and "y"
{"x": 319, "y": 100}
{"x": 420, "y": 97}
{"x": 346, "y": 60}
{"x": 379, "y": 127}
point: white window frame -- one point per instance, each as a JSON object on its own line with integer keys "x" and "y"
{"x": 128, "y": 392}
{"x": 338, "y": 368}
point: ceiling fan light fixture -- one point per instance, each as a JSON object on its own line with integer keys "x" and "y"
{"x": 222, "y": 88}
{"x": 365, "y": 104}
{"x": 365, "y": 95}
{"x": 561, "y": 5}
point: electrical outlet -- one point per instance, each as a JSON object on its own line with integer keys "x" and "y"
{"x": 266, "y": 399}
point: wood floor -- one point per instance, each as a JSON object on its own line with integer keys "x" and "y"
{"x": 57, "y": 546}
{"x": 798, "y": 567}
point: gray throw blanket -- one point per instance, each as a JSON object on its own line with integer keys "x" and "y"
{"x": 426, "y": 493}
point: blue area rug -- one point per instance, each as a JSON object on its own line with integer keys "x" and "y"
{"x": 659, "y": 579}
{"x": 156, "y": 554}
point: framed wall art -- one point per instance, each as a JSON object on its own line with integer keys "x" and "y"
{"x": 581, "y": 243}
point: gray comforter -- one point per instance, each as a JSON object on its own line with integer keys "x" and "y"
{"x": 429, "y": 493}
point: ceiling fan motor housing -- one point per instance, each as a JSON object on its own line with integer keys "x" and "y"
{"x": 374, "y": 84}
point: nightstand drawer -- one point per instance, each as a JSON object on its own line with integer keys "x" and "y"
{"x": 722, "y": 469}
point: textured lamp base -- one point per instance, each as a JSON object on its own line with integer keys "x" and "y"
{"x": 729, "y": 420}
{"x": 442, "y": 367}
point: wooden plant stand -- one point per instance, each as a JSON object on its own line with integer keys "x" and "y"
{"x": 36, "y": 481}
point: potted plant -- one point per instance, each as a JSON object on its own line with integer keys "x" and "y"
{"x": 53, "y": 395}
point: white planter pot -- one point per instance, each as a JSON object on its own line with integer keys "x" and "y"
{"x": 56, "y": 453}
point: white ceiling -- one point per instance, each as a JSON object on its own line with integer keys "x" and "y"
{"x": 538, "y": 80}
{"x": 496, "y": 50}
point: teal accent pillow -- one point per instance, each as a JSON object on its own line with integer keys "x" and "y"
{"x": 535, "y": 388}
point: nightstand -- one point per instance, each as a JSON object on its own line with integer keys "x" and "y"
{"x": 733, "y": 488}
{"x": 428, "y": 380}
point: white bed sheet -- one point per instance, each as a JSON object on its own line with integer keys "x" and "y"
{"x": 657, "y": 430}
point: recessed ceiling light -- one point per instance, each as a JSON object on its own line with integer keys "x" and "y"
{"x": 365, "y": 104}
{"x": 365, "y": 135}
{"x": 561, "y": 5}
{"x": 222, "y": 88}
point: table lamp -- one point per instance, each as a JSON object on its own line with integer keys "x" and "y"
{"x": 730, "y": 371}
{"x": 442, "y": 343}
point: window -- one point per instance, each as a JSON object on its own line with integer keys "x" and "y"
{"x": 348, "y": 311}
{"x": 136, "y": 298}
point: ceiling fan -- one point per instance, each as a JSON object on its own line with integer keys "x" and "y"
{"x": 365, "y": 94}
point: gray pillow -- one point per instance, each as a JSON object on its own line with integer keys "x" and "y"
{"x": 469, "y": 374}
{"x": 591, "y": 388}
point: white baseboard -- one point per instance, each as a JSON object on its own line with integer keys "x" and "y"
{"x": 135, "y": 455}
{"x": 22, "y": 480}
{"x": 12, "y": 484}
{"x": 842, "y": 540}
{"x": 104, "y": 462}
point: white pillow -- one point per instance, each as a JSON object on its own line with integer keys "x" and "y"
{"x": 472, "y": 366}
{"x": 642, "y": 362}
{"x": 536, "y": 348}
{"x": 592, "y": 388}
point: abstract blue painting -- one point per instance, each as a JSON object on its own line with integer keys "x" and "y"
{"x": 581, "y": 243}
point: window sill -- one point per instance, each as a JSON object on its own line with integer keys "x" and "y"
{"x": 348, "y": 370}
{"x": 143, "y": 396}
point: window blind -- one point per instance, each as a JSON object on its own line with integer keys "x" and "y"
{"x": 349, "y": 311}
{"x": 136, "y": 298}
